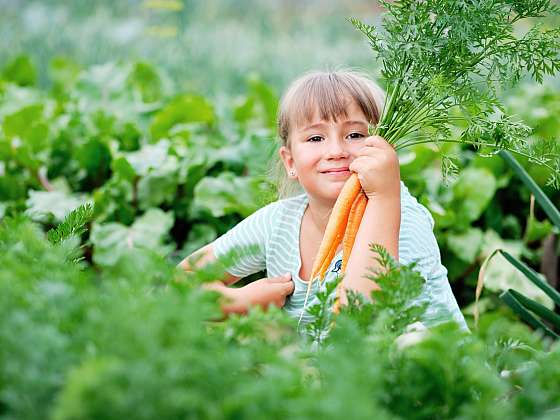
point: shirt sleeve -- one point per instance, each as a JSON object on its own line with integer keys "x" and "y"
{"x": 417, "y": 242}
{"x": 253, "y": 230}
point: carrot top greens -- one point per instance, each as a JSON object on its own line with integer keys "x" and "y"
{"x": 445, "y": 62}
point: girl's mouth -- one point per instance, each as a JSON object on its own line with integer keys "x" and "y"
{"x": 341, "y": 174}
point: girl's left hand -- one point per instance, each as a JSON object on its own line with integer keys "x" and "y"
{"x": 377, "y": 166}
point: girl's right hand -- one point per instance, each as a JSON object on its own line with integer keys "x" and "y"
{"x": 266, "y": 291}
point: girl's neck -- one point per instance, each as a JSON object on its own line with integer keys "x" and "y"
{"x": 319, "y": 213}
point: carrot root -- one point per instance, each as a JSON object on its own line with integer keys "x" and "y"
{"x": 354, "y": 219}
{"x": 334, "y": 232}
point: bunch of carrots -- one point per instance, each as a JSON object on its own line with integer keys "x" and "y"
{"x": 343, "y": 225}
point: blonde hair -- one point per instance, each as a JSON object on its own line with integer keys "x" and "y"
{"x": 328, "y": 92}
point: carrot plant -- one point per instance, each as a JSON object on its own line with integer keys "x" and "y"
{"x": 444, "y": 63}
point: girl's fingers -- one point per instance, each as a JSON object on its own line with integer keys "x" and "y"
{"x": 288, "y": 288}
{"x": 360, "y": 164}
{"x": 377, "y": 141}
{"x": 281, "y": 279}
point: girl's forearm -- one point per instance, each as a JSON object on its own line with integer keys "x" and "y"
{"x": 380, "y": 225}
{"x": 231, "y": 302}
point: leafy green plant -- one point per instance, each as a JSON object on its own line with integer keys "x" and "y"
{"x": 393, "y": 304}
{"x": 528, "y": 309}
{"x": 444, "y": 64}
{"x": 73, "y": 224}
{"x": 138, "y": 339}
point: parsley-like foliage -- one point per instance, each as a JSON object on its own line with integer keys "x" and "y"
{"x": 445, "y": 62}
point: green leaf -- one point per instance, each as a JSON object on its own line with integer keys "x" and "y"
{"x": 48, "y": 206}
{"x": 266, "y": 98}
{"x": 537, "y": 230}
{"x": 501, "y": 275}
{"x": 537, "y": 308}
{"x": 466, "y": 245}
{"x": 112, "y": 240}
{"x": 182, "y": 109}
{"x": 536, "y": 278}
{"x": 123, "y": 169}
{"x": 20, "y": 71}
{"x": 472, "y": 193}
{"x": 28, "y": 126}
{"x": 525, "y": 315}
{"x": 114, "y": 201}
{"x": 73, "y": 224}
{"x": 95, "y": 157}
{"x": 145, "y": 79}
{"x": 226, "y": 194}
{"x": 549, "y": 208}
{"x": 150, "y": 156}
{"x": 159, "y": 185}
{"x": 64, "y": 72}
{"x": 416, "y": 158}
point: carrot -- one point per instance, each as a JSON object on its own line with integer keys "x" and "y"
{"x": 334, "y": 232}
{"x": 354, "y": 220}
{"x": 336, "y": 225}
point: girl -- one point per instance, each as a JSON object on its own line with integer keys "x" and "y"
{"x": 323, "y": 129}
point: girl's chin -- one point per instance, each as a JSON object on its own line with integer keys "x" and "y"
{"x": 334, "y": 191}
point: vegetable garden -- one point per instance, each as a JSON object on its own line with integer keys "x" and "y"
{"x": 113, "y": 172}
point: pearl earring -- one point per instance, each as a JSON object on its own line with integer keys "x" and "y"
{"x": 292, "y": 173}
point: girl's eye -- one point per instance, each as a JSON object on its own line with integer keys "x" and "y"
{"x": 314, "y": 137}
{"x": 356, "y": 135}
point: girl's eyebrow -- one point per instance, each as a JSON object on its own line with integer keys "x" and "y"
{"x": 319, "y": 125}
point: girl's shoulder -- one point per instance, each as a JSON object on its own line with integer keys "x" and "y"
{"x": 287, "y": 205}
{"x": 412, "y": 209}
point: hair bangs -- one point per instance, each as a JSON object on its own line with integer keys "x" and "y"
{"x": 326, "y": 96}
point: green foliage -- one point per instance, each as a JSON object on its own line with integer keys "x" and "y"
{"x": 445, "y": 63}
{"x": 183, "y": 109}
{"x": 133, "y": 337}
{"x": 112, "y": 240}
{"x": 136, "y": 339}
{"x": 226, "y": 193}
{"x": 20, "y": 71}
{"x": 46, "y": 206}
{"x": 73, "y": 224}
{"x": 530, "y": 311}
{"x": 112, "y": 134}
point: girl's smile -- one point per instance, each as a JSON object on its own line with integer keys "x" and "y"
{"x": 338, "y": 174}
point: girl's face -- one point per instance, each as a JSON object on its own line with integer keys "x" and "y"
{"x": 321, "y": 152}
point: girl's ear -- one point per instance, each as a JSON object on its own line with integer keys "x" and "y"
{"x": 287, "y": 159}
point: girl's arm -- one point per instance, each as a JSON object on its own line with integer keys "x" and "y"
{"x": 207, "y": 255}
{"x": 263, "y": 292}
{"x": 380, "y": 225}
{"x": 233, "y": 303}
{"x": 377, "y": 166}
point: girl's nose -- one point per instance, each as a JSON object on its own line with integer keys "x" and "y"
{"x": 336, "y": 149}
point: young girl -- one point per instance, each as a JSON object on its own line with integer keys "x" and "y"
{"x": 323, "y": 129}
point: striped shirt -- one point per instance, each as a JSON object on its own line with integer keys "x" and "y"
{"x": 275, "y": 229}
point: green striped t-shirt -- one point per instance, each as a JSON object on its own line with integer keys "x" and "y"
{"x": 275, "y": 229}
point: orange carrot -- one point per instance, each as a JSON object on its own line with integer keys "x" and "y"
{"x": 334, "y": 232}
{"x": 354, "y": 220}
{"x": 336, "y": 225}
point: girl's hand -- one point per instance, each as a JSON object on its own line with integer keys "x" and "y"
{"x": 266, "y": 291}
{"x": 377, "y": 166}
